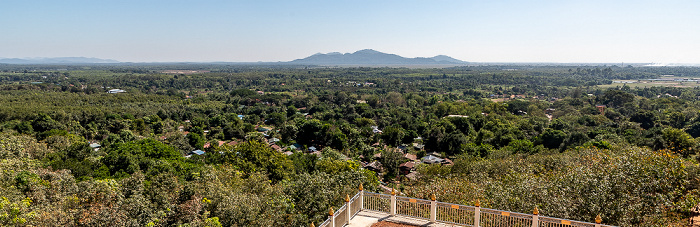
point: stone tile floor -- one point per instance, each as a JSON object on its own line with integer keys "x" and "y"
{"x": 367, "y": 218}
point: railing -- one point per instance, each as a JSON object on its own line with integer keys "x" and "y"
{"x": 415, "y": 208}
{"x": 454, "y": 213}
{"x": 376, "y": 202}
{"x": 440, "y": 212}
{"x": 490, "y": 217}
{"x": 342, "y": 217}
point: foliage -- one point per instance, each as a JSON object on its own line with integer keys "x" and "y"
{"x": 520, "y": 136}
{"x": 626, "y": 186}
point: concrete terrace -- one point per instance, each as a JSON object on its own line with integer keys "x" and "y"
{"x": 366, "y": 218}
{"x": 367, "y": 208}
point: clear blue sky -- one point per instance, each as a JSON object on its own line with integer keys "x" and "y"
{"x": 257, "y": 30}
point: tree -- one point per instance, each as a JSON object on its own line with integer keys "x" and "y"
{"x": 253, "y": 156}
{"x": 616, "y": 98}
{"x": 393, "y": 135}
{"x": 390, "y": 162}
{"x": 148, "y": 155}
{"x": 679, "y": 141}
{"x": 552, "y": 138}
{"x": 276, "y": 119}
{"x": 195, "y": 140}
{"x": 452, "y": 143}
{"x": 647, "y": 119}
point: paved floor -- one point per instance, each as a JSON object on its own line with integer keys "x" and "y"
{"x": 367, "y": 218}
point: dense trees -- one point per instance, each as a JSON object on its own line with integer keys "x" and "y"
{"x": 520, "y": 137}
{"x": 626, "y": 186}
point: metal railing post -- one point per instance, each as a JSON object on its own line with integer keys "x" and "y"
{"x": 393, "y": 202}
{"x": 433, "y": 208}
{"x": 347, "y": 208}
{"x": 536, "y": 218}
{"x": 330, "y": 215}
{"x": 477, "y": 214}
{"x": 362, "y": 198}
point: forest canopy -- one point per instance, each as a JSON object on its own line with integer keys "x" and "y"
{"x": 268, "y": 145}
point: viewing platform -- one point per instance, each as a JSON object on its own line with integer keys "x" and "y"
{"x": 367, "y": 208}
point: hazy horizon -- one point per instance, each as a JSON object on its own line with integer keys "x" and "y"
{"x": 271, "y": 31}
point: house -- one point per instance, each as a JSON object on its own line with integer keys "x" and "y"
{"x": 312, "y": 149}
{"x": 375, "y": 129}
{"x": 418, "y": 146}
{"x": 374, "y": 166}
{"x": 207, "y": 145}
{"x": 276, "y": 147}
{"x": 274, "y": 140}
{"x": 435, "y": 154}
{"x": 431, "y": 159}
{"x": 411, "y": 157}
{"x": 115, "y": 91}
{"x": 601, "y": 108}
{"x": 447, "y": 162}
{"x": 412, "y": 175}
{"x": 294, "y": 146}
{"x": 95, "y": 146}
{"x": 195, "y": 152}
{"x": 406, "y": 167}
{"x": 288, "y": 153}
{"x": 549, "y": 111}
{"x": 233, "y": 143}
{"x": 402, "y": 147}
{"x": 240, "y": 117}
{"x": 221, "y": 143}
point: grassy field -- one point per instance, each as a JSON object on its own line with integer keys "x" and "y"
{"x": 647, "y": 83}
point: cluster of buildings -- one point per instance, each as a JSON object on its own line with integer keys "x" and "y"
{"x": 408, "y": 167}
{"x": 410, "y": 161}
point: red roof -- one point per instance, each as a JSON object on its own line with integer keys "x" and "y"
{"x": 409, "y": 165}
{"x": 411, "y": 157}
{"x": 448, "y": 162}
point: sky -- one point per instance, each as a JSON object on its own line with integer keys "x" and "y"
{"x": 563, "y": 31}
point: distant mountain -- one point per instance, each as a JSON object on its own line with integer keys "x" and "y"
{"x": 445, "y": 58}
{"x": 373, "y": 57}
{"x": 61, "y": 60}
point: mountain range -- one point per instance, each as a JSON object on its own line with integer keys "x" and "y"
{"x": 361, "y": 57}
{"x": 59, "y": 60}
{"x": 373, "y": 57}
